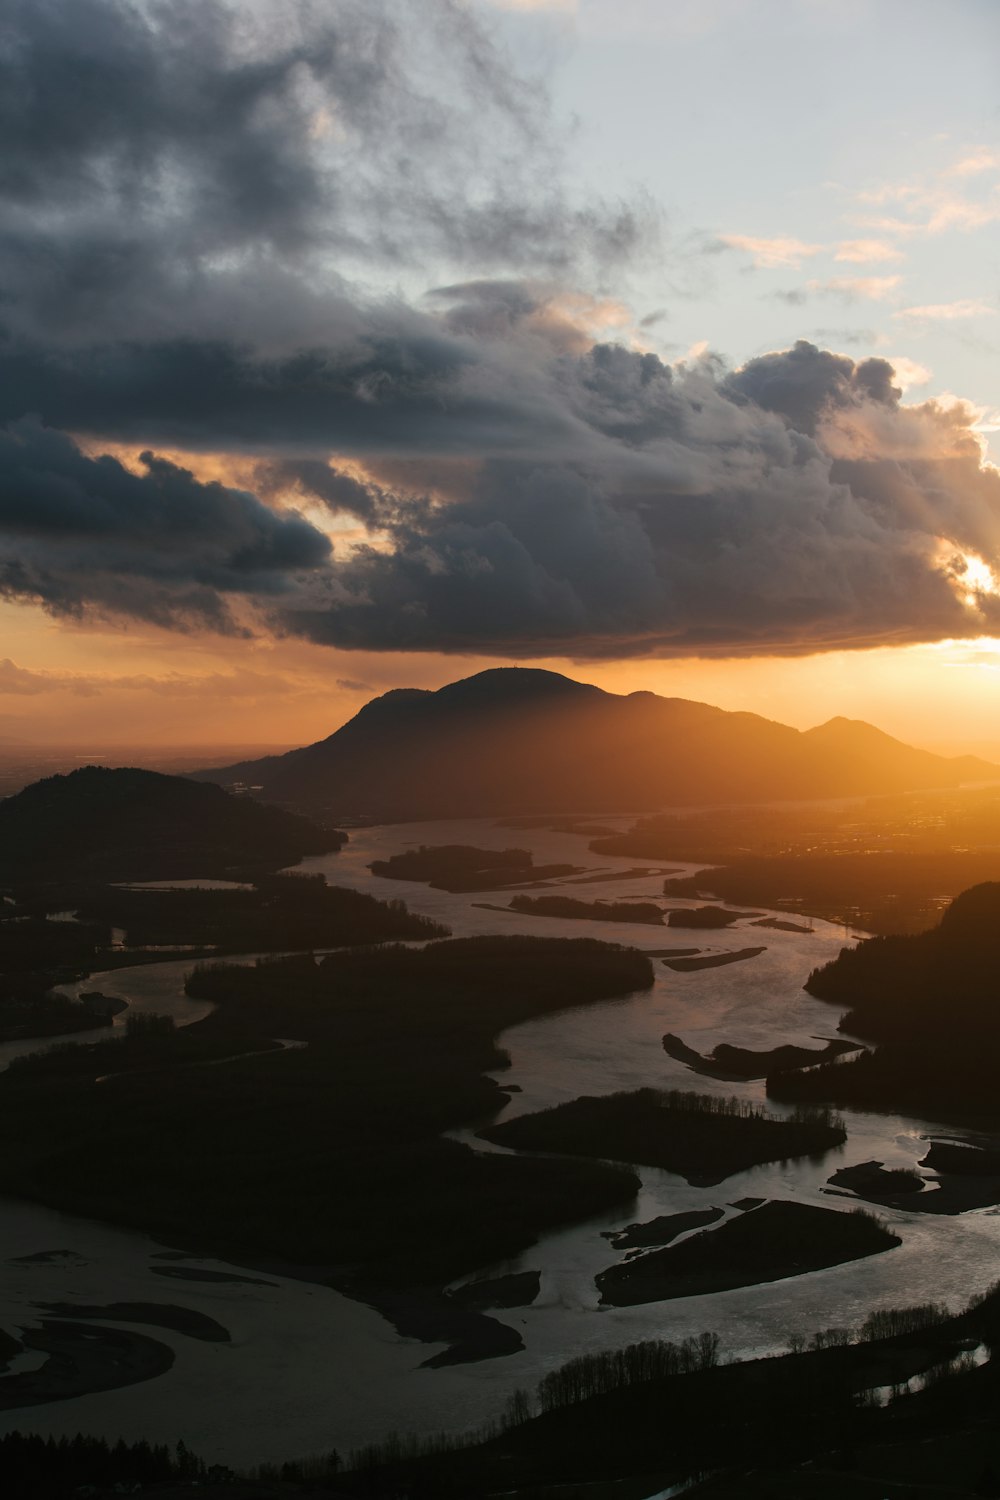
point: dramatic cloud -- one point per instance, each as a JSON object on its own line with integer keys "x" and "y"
{"x": 78, "y": 531}
{"x": 594, "y": 504}
{"x": 790, "y": 506}
{"x": 497, "y": 467}
{"x": 192, "y": 165}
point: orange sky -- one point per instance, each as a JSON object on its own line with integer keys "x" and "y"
{"x": 707, "y": 472}
{"x": 80, "y": 683}
{"x": 134, "y": 685}
{"x": 85, "y": 683}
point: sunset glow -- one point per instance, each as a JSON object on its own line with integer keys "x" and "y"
{"x": 609, "y": 438}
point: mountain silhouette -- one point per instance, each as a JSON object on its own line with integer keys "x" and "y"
{"x": 519, "y": 740}
{"x": 129, "y": 824}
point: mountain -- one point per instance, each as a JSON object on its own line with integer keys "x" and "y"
{"x": 517, "y": 740}
{"x": 127, "y": 824}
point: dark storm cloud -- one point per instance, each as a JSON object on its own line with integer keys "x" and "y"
{"x": 186, "y": 189}
{"x": 605, "y": 504}
{"x": 189, "y": 165}
{"x": 341, "y": 493}
{"x": 804, "y": 382}
{"x": 78, "y": 531}
{"x": 397, "y": 384}
{"x": 791, "y": 506}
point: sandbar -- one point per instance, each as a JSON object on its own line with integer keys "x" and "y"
{"x": 662, "y": 1230}
{"x": 777, "y": 925}
{"x": 434, "y": 1317}
{"x": 778, "y": 1240}
{"x": 712, "y": 961}
{"x": 190, "y": 1273}
{"x": 519, "y": 1289}
{"x": 157, "y": 1314}
{"x": 740, "y": 1063}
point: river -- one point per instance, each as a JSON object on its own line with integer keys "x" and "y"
{"x": 307, "y": 1369}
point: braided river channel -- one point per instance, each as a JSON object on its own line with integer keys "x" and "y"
{"x": 307, "y": 1369}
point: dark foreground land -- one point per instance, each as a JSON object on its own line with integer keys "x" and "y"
{"x": 37, "y": 1468}
{"x": 328, "y": 1155}
{"x": 626, "y": 1424}
{"x": 779, "y": 1239}
{"x": 702, "y": 1137}
{"x": 623, "y": 1424}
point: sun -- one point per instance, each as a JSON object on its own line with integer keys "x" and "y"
{"x": 973, "y": 577}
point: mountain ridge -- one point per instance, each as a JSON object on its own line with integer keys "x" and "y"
{"x": 516, "y": 740}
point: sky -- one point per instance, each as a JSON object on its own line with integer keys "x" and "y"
{"x": 354, "y": 344}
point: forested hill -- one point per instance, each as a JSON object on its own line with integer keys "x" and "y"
{"x": 911, "y": 988}
{"x": 929, "y": 1003}
{"x": 127, "y": 824}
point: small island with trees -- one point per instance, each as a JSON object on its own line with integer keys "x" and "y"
{"x": 588, "y": 911}
{"x": 702, "y": 1137}
{"x": 781, "y": 1238}
{"x": 461, "y": 867}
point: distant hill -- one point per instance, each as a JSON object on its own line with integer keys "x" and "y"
{"x": 518, "y": 740}
{"x": 128, "y": 824}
